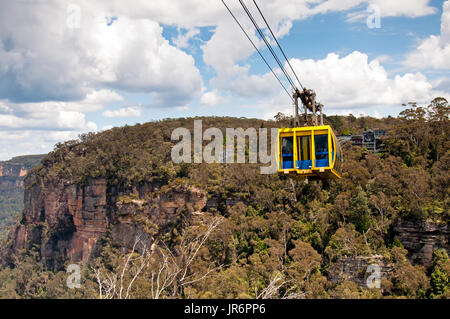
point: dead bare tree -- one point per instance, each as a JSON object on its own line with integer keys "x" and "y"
{"x": 164, "y": 274}
{"x": 187, "y": 252}
{"x": 165, "y": 268}
{"x": 273, "y": 289}
{"x": 112, "y": 285}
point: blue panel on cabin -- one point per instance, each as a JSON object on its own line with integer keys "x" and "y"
{"x": 288, "y": 164}
{"x": 304, "y": 164}
{"x": 322, "y": 163}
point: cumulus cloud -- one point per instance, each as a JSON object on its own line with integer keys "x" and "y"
{"x": 408, "y": 8}
{"x": 55, "y": 120}
{"x": 55, "y": 115}
{"x": 386, "y": 8}
{"x": 42, "y": 58}
{"x": 26, "y": 142}
{"x": 353, "y": 84}
{"x": 228, "y": 46}
{"x": 434, "y": 51}
{"x": 51, "y": 75}
{"x": 354, "y": 80}
{"x": 131, "y": 111}
{"x": 182, "y": 40}
{"x": 135, "y": 57}
{"x": 211, "y": 98}
{"x": 121, "y": 47}
{"x": 53, "y": 71}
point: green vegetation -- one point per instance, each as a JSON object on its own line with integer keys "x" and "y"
{"x": 11, "y": 194}
{"x": 11, "y": 204}
{"x": 277, "y": 237}
{"x": 28, "y": 161}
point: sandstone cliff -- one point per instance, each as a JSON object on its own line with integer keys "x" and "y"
{"x": 121, "y": 182}
{"x": 65, "y": 221}
{"x": 421, "y": 238}
{"x": 356, "y": 269}
{"x": 12, "y": 174}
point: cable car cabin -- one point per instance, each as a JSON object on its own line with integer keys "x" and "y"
{"x": 312, "y": 152}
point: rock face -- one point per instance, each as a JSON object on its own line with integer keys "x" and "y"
{"x": 420, "y": 239}
{"x": 359, "y": 268}
{"x": 66, "y": 221}
{"x": 12, "y": 174}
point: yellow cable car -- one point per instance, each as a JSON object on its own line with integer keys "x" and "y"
{"x": 312, "y": 152}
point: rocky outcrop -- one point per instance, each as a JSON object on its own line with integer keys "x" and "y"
{"x": 421, "y": 238}
{"x": 12, "y": 169}
{"x": 13, "y": 172}
{"x": 66, "y": 221}
{"x": 356, "y": 269}
{"x": 11, "y": 175}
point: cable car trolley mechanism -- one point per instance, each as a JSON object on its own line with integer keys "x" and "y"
{"x": 312, "y": 150}
{"x": 309, "y": 151}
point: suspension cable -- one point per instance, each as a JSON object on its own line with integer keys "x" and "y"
{"x": 256, "y": 48}
{"x": 279, "y": 46}
{"x": 263, "y": 37}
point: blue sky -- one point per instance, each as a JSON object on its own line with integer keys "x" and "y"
{"x": 68, "y": 67}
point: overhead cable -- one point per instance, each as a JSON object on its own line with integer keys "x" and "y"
{"x": 256, "y": 48}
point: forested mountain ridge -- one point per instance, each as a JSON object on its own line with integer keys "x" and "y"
{"x": 225, "y": 230}
{"x": 12, "y": 173}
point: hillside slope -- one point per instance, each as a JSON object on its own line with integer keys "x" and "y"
{"x": 12, "y": 174}
{"x": 90, "y": 199}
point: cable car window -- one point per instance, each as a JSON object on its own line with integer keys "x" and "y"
{"x": 321, "y": 145}
{"x": 333, "y": 148}
{"x": 304, "y": 152}
{"x": 338, "y": 163}
{"x": 287, "y": 151}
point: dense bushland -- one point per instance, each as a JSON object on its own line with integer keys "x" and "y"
{"x": 279, "y": 237}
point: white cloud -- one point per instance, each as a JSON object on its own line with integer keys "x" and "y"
{"x": 408, "y": 8}
{"x": 42, "y": 59}
{"x": 56, "y": 120}
{"x": 60, "y": 120}
{"x": 383, "y": 58}
{"x": 131, "y": 111}
{"x": 353, "y": 84}
{"x": 51, "y": 75}
{"x": 228, "y": 45}
{"x": 135, "y": 57}
{"x": 96, "y": 100}
{"x": 388, "y": 8}
{"x": 182, "y": 40}
{"x": 53, "y": 115}
{"x": 26, "y": 142}
{"x": 353, "y": 80}
{"x": 107, "y": 127}
{"x": 211, "y": 98}
{"x": 434, "y": 51}
{"x": 131, "y": 54}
